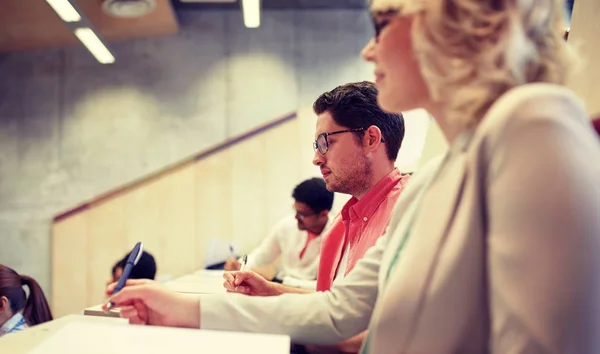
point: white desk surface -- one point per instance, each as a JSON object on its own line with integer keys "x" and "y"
{"x": 209, "y": 272}
{"x": 25, "y": 341}
{"x": 199, "y": 282}
{"x": 75, "y": 334}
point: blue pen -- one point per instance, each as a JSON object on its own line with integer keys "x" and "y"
{"x": 132, "y": 260}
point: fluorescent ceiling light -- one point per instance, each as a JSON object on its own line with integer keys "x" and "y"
{"x": 208, "y": 1}
{"x": 251, "y": 9}
{"x": 94, "y": 45}
{"x": 65, "y": 10}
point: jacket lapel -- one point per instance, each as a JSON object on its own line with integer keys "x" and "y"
{"x": 408, "y": 283}
{"x": 400, "y": 219}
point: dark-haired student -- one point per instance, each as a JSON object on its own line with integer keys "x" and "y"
{"x": 295, "y": 238}
{"x": 17, "y": 310}
{"x": 144, "y": 269}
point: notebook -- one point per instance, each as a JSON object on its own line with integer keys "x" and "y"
{"x": 97, "y": 311}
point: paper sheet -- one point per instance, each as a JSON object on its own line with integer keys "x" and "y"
{"x": 101, "y": 338}
{"x": 218, "y": 251}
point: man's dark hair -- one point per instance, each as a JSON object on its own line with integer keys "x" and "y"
{"x": 354, "y": 105}
{"x": 144, "y": 269}
{"x": 314, "y": 193}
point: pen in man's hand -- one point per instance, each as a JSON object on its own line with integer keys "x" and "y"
{"x": 243, "y": 266}
{"x": 244, "y": 261}
{"x": 132, "y": 260}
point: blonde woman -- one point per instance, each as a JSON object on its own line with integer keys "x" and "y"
{"x": 492, "y": 249}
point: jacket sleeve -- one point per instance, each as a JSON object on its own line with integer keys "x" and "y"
{"x": 317, "y": 318}
{"x": 543, "y": 242}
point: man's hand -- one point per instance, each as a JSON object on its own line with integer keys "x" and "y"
{"x": 147, "y": 302}
{"x": 232, "y": 264}
{"x": 249, "y": 283}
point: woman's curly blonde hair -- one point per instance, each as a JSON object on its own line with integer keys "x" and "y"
{"x": 473, "y": 51}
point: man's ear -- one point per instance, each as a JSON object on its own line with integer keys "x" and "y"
{"x": 372, "y": 138}
{"x": 324, "y": 213}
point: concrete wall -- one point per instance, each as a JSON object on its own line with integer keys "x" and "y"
{"x": 71, "y": 128}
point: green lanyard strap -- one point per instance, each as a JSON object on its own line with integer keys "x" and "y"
{"x": 412, "y": 215}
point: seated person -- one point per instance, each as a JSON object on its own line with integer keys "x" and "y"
{"x": 295, "y": 238}
{"x": 17, "y": 310}
{"x": 370, "y": 176}
{"x": 144, "y": 269}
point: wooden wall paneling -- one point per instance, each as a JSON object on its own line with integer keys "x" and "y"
{"x": 161, "y": 21}
{"x": 213, "y": 197}
{"x": 307, "y": 122}
{"x": 247, "y": 192}
{"x": 416, "y": 124}
{"x": 224, "y": 195}
{"x": 176, "y": 193}
{"x": 282, "y": 170}
{"x": 69, "y": 262}
{"x": 435, "y": 144}
{"x": 107, "y": 240}
{"x": 143, "y": 220}
{"x": 33, "y": 24}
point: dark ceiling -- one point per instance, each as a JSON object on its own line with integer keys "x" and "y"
{"x": 299, "y": 5}
{"x": 277, "y": 5}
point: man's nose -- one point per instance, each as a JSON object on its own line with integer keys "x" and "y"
{"x": 318, "y": 158}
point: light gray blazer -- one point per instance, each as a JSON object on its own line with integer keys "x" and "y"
{"x": 502, "y": 256}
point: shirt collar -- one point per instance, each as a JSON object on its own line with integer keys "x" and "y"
{"x": 13, "y": 323}
{"x": 365, "y": 207}
{"x": 312, "y": 235}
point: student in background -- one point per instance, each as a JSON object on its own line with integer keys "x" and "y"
{"x": 295, "y": 238}
{"x": 17, "y": 310}
{"x": 144, "y": 269}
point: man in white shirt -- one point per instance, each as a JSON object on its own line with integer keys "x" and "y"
{"x": 295, "y": 238}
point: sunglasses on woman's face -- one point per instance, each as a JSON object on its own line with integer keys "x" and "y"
{"x": 380, "y": 21}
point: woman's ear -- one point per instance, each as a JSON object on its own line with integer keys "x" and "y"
{"x": 4, "y": 303}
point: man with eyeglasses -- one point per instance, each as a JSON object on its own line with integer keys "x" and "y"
{"x": 356, "y": 147}
{"x": 296, "y": 239}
